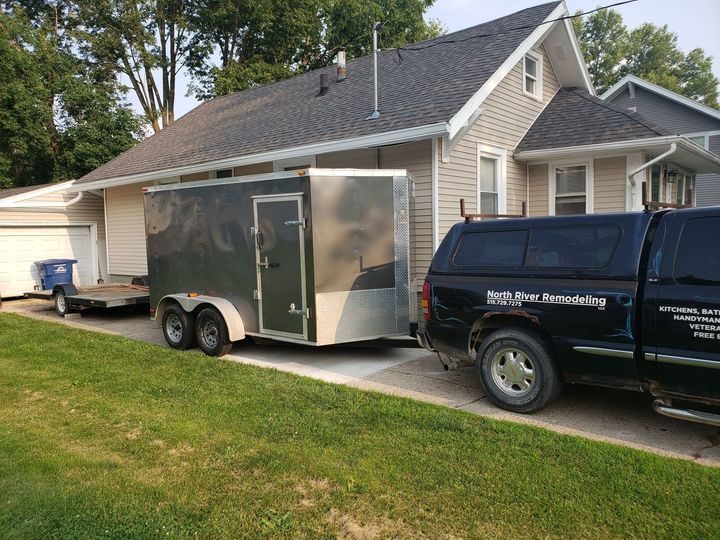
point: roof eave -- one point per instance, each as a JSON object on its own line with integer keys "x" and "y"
{"x": 636, "y": 145}
{"x": 354, "y": 143}
{"x": 614, "y": 90}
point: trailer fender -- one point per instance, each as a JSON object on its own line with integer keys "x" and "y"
{"x": 68, "y": 289}
{"x": 233, "y": 320}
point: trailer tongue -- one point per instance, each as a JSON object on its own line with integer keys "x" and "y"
{"x": 315, "y": 256}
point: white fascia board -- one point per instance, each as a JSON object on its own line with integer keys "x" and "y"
{"x": 536, "y": 156}
{"x": 575, "y": 44}
{"x": 460, "y": 119}
{"x": 36, "y": 193}
{"x": 664, "y": 92}
{"x": 365, "y": 141}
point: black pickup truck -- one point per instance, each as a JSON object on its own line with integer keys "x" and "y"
{"x": 621, "y": 300}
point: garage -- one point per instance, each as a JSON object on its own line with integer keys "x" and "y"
{"x": 22, "y": 244}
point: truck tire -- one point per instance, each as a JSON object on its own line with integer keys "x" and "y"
{"x": 518, "y": 371}
{"x": 212, "y": 333}
{"x": 178, "y": 327}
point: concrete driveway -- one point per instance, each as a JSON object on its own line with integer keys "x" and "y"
{"x": 399, "y": 368}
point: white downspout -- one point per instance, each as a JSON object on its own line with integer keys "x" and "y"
{"x": 65, "y": 204}
{"x": 631, "y": 174}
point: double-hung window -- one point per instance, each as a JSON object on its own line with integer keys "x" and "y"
{"x": 570, "y": 189}
{"x": 532, "y": 75}
{"x": 491, "y": 180}
{"x": 685, "y": 188}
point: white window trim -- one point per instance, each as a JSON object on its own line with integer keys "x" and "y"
{"x": 280, "y": 165}
{"x": 213, "y": 173}
{"x": 499, "y": 154}
{"x": 704, "y": 134}
{"x": 538, "y": 58}
{"x": 589, "y": 183}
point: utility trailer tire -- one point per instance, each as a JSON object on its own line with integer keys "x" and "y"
{"x": 62, "y": 307}
{"x": 178, "y": 327}
{"x": 518, "y": 371}
{"x": 212, "y": 333}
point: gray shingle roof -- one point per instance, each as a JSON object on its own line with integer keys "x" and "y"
{"x": 9, "y": 192}
{"x": 430, "y": 86}
{"x": 576, "y": 118}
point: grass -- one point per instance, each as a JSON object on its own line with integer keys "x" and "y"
{"x": 102, "y": 436}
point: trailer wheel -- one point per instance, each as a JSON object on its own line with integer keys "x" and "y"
{"x": 61, "y": 304}
{"x": 177, "y": 325}
{"x": 517, "y": 369}
{"x": 212, "y": 333}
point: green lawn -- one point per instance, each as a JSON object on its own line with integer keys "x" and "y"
{"x": 101, "y": 436}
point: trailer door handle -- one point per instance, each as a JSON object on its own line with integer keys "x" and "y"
{"x": 293, "y": 311}
{"x": 300, "y": 222}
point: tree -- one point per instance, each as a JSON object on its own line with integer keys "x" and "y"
{"x": 649, "y": 52}
{"x": 146, "y": 41}
{"x": 266, "y": 40}
{"x": 60, "y": 117}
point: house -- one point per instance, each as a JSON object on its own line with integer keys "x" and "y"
{"x": 500, "y": 114}
{"x": 47, "y": 222}
{"x": 678, "y": 115}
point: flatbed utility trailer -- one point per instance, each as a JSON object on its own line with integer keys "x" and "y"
{"x": 312, "y": 256}
{"x": 67, "y": 298}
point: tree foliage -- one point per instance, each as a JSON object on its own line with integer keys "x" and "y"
{"x": 649, "y": 52}
{"x": 263, "y": 41}
{"x": 60, "y": 117}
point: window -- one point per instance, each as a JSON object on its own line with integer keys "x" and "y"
{"x": 532, "y": 75}
{"x": 656, "y": 182}
{"x": 223, "y": 173}
{"x": 570, "y": 188}
{"x": 701, "y": 139}
{"x": 576, "y": 247}
{"x": 698, "y": 256}
{"x": 491, "y": 179}
{"x": 491, "y": 248}
{"x": 685, "y": 187}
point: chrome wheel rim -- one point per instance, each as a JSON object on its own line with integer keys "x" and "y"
{"x": 513, "y": 372}
{"x": 209, "y": 333}
{"x": 173, "y": 328}
{"x": 61, "y": 303}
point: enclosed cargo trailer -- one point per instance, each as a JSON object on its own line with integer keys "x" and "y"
{"x": 315, "y": 256}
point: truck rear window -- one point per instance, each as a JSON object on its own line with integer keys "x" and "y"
{"x": 698, "y": 255}
{"x": 491, "y": 248}
{"x": 576, "y": 247}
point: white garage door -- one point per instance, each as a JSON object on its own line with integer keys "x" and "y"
{"x": 21, "y": 246}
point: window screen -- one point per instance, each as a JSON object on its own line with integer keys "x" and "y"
{"x": 698, "y": 256}
{"x": 570, "y": 190}
{"x": 491, "y": 248}
{"x": 576, "y": 247}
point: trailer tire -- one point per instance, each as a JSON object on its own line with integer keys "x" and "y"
{"x": 211, "y": 333}
{"x": 178, "y": 327}
{"x": 517, "y": 370}
{"x": 62, "y": 307}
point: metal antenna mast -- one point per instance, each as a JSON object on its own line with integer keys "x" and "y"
{"x": 376, "y": 28}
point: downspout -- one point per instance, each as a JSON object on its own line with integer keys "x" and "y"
{"x": 65, "y": 204}
{"x": 631, "y": 174}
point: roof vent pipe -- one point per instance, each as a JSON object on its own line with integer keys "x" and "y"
{"x": 324, "y": 84}
{"x": 376, "y": 28}
{"x": 341, "y": 68}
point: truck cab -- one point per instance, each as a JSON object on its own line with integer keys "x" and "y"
{"x": 626, "y": 300}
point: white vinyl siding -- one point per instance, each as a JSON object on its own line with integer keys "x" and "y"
{"x": 127, "y": 254}
{"x": 416, "y": 159}
{"x": 507, "y": 115}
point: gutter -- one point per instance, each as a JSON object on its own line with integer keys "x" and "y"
{"x": 365, "y": 141}
{"x": 10, "y": 205}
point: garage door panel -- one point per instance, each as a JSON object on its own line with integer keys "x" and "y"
{"x": 21, "y": 246}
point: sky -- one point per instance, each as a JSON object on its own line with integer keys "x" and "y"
{"x": 696, "y": 23}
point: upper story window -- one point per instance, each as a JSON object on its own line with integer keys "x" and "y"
{"x": 532, "y": 75}
{"x": 701, "y": 139}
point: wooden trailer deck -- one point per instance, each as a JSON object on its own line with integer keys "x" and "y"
{"x": 102, "y": 296}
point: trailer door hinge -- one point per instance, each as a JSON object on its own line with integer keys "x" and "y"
{"x": 256, "y": 294}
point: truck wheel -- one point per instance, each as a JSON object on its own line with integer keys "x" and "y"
{"x": 518, "y": 372}
{"x": 177, "y": 325}
{"x": 212, "y": 333}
